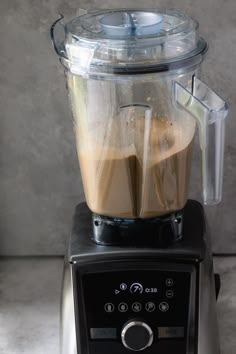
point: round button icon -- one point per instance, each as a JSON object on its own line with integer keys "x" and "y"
{"x": 123, "y": 307}
{"x": 136, "y": 307}
{"x": 163, "y": 306}
{"x": 123, "y": 286}
{"x": 150, "y": 306}
{"x": 109, "y": 307}
{"x": 169, "y": 282}
{"x": 136, "y": 288}
{"x": 169, "y": 294}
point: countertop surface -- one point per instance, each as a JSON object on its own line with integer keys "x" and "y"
{"x": 30, "y": 304}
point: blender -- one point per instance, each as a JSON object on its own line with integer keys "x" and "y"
{"x": 138, "y": 274}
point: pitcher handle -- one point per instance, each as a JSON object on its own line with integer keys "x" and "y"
{"x": 210, "y": 112}
{"x": 59, "y": 48}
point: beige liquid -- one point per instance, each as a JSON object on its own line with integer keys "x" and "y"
{"x": 119, "y": 182}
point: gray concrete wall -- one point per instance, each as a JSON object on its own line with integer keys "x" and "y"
{"x": 39, "y": 174}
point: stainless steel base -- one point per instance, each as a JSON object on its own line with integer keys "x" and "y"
{"x": 208, "y": 338}
{"x": 81, "y": 247}
{"x": 68, "y": 343}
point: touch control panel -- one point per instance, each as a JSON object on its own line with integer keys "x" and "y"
{"x": 150, "y": 305}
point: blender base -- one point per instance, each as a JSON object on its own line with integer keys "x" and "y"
{"x": 156, "y": 300}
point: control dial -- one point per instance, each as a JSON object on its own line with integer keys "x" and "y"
{"x": 136, "y": 335}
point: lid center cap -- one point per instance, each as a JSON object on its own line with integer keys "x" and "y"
{"x": 131, "y": 23}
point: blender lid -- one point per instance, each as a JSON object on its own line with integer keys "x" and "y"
{"x": 131, "y": 41}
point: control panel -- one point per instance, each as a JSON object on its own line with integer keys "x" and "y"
{"x": 137, "y": 310}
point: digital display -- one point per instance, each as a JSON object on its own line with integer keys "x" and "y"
{"x": 135, "y": 288}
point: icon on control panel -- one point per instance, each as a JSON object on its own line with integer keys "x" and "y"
{"x": 117, "y": 291}
{"x": 163, "y": 306}
{"x": 136, "y": 307}
{"x": 169, "y": 294}
{"x": 169, "y": 282}
{"x": 109, "y": 307}
{"x": 123, "y": 307}
{"x": 136, "y": 288}
{"x": 123, "y": 286}
{"x": 150, "y": 306}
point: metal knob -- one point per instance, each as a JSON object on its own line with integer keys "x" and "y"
{"x": 136, "y": 335}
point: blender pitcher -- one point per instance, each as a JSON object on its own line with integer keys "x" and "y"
{"x": 137, "y": 102}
